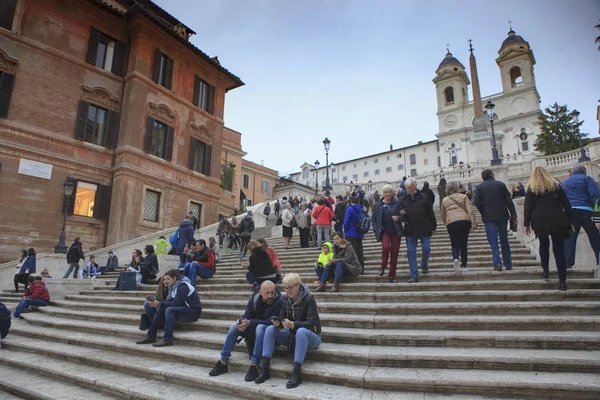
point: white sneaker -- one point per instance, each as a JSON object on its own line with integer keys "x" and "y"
{"x": 456, "y": 266}
{"x": 464, "y": 269}
{"x": 12, "y": 316}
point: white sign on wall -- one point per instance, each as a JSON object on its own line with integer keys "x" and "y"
{"x": 34, "y": 168}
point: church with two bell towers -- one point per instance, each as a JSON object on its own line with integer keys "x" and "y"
{"x": 465, "y": 134}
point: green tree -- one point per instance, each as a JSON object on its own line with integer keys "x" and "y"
{"x": 559, "y": 130}
{"x": 227, "y": 176}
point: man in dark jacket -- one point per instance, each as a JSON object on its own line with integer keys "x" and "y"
{"x": 493, "y": 201}
{"x": 201, "y": 262}
{"x": 186, "y": 237}
{"x": 428, "y": 192}
{"x": 74, "y": 254}
{"x": 246, "y": 227}
{"x": 183, "y": 304}
{"x": 582, "y": 192}
{"x": 420, "y": 225}
{"x": 260, "y": 308}
{"x": 351, "y": 229}
{"x": 339, "y": 214}
{"x": 276, "y": 208}
{"x": 5, "y": 322}
{"x": 195, "y": 222}
{"x": 112, "y": 263}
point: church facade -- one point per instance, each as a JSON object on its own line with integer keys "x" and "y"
{"x": 464, "y": 130}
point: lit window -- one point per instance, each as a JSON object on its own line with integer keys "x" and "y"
{"x": 85, "y": 198}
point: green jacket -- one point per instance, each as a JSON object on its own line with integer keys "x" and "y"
{"x": 324, "y": 258}
{"x": 161, "y": 247}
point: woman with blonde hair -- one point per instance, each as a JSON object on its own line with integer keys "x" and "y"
{"x": 457, "y": 214}
{"x": 548, "y": 213}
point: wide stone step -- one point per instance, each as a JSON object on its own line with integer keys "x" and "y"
{"x": 205, "y": 350}
{"x": 456, "y": 322}
{"x": 238, "y": 300}
{"x": 573, "y": 340}
{"x": 24, "y": 383}
{"x": 515, "y": 383}
{"x": 482, "y": 308}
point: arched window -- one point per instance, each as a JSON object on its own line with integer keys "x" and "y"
{"x": 516, "y": 79}
{"x": 449, "y": 95}
{"x": 305, "y": 173}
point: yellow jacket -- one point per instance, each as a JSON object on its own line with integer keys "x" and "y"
{"x": 324, "y": 258}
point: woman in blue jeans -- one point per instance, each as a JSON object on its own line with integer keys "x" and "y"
{"x": 298, "y": 321}
{"x": 344, "y": 263}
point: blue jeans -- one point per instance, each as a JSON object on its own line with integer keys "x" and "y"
{"x": 323, "y": 234}
{"x": 493, "y": 229}
{"x": 319, "y": 271}
{"x": 29, "y": 302}
{"x": 305, "y": 340}
{"x": 582, "y": 219}
{"x": 150, "y": 311}
{"x": 338, "y": 227}
{"x": 193, "y": 269}
{"x": 231, "y": 340}
{"x": 72, "y": 267}
{"x": 168, "y": 316}
{"x": 411, "y": 251}
{"x": 340, "y": 270}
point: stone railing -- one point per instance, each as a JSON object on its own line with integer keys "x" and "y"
{"x": 57, "y": 263}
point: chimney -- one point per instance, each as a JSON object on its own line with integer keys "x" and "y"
{"x": 391, "y": 147}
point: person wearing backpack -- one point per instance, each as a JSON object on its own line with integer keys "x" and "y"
{"x": 354, "y": 220}
{"x": 246, "y": 227}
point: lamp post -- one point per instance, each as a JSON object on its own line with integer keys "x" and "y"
{"x": 582, "y": 156}
{"x": 327, "y": 143}
{"x": 317, "y": 163}
{"x": 489, "y": 108}
{"x": 61, "y": 247}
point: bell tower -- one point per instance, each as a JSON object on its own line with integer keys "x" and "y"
{"x": 451, "y": 86}
{"x": 516, "y": 63}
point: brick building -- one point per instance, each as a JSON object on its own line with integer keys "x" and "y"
{"x": 112, "y": 96}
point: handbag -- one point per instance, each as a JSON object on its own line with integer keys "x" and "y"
{"x": 144, "y": 322}
{"x": 127, "y": 281}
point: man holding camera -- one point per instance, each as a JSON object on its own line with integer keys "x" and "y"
{"x": 182, "y": 304}
{"x": 260, "y": 308}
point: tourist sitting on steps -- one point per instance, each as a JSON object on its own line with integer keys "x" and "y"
{"x": 202, "y": 262}
{"x": 112, "y": 263}
{"x": 259, "y": 264}
{"x": 27, "y": 268}
{"x": 323, "y": 260}
{"x": 183, "y": 304}
{"x": 149, "y": 266}
{"x": 37, "y": 295}
{"x": 298, "y": 327}
{"x": 91, "y": 268}
{"x": 273, "y": 256}
{"x": 162, "y": 292}
{"x": 161, "y": 246}
{"x": 19, "y": 277}
{"x": 259, "y": 310}
{"x": 5, "y": 322}
{"x": 343, "y": 263}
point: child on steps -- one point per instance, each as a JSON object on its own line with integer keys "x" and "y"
{"x": 324, "y": 257}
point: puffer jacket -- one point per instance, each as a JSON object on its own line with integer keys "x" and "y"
{"x": 351, "y": 219}
{"x": 37, "y": 290}
{"x": 581, "y": 190}
{"x": 5, "y": 321}
{"x": 303, "y": 312}
{"x": 186, "y": 235}
{"x": 324, "y": 258}
{"x": 183, "y": 294}
{"x": 260, "y": 313}
{"x": 345, "y": 253}
{"x": 457, "y": 207}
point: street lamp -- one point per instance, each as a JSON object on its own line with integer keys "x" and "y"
{"x": 326, "y": 143}
{"x": 61, "y": 247}
{"x": 582, "y": 156}
{"x": 489, "y": 108}
{"x": 317, "y": 163}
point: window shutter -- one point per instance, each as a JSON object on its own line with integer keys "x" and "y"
{"x": 149, "y": 129}
{"x": 192, "y": 153}
{"x": 102, "y": 202}
{"x": 111, "y": 138}
{"x": 196, "y": 98}
{"x": 82, "y": 117}
{"x": 7, "y": 13}
{"x": 93, "y": 46}
{"x": 169, "y": 73}
{"x": 211, "y": 99}
{"x": 157, "y": 60}
{"x": 6, "y": 85}
{"x": 71, "y": 204}
{"x": 169, "y": 143}
{"x": 207, "y": 160}
{"x": 120, "y": 59}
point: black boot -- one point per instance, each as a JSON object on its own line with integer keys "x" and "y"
{"x": 296, "y": 378}
{"x": 545, "y": 274}
{"x": 265, "y": 373}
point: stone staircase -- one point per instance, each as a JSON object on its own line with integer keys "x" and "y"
{"x": 476, "y": 335}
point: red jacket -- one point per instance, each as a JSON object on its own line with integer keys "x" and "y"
{"x": 323, "y": 215}
{"x": 274, "y": 258}
{"x": 37, "y": 290}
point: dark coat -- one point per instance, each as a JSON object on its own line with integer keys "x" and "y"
{"x": 28, "y": 264}
{"x": 246, "y": 225}
{"x": 429, "y": 193}
{"x": 186, "y": 235}
{"x": 493, "y": 201}
{"x": 5, "y": 321}
{"x": 378, "y": 214}
{"x": 260, "y": 313}
{"x": 182, "y": 294}
{"x": 75, "y": 253}
{"x": 260, "y": 264}
{"x": 151, "y": 262}
{"x": 548, "y": 213}
{"x": 420, "y": 218}
{"x": 303, "y": 313}
{"x": 340, "y": 212}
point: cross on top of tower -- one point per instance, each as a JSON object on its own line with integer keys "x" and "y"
{"x": 447, "y": 47}
{"x": 470, "y": 45}
{"x": 510, "y": 24}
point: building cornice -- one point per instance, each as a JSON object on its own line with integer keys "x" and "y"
{"x": 234, "y": 150}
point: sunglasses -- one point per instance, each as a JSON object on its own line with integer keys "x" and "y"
{"x": 288, "y": 288}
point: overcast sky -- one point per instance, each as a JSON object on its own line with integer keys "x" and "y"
{"x": 359, "y": 72}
